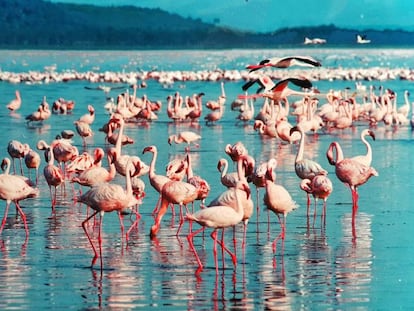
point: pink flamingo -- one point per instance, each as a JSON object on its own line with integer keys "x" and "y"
{"x": 17, "y": 150}
{"x": 278, "y": 200}
{"x": 351, "y": 172}
{"x": 366, "y": 159}
{"x": 84, "y": 130}
{"x": 15, "y": 103}
{"x": 174, "y": 192}
{"x": 218, "y": 217}
{"x": 121, "y": 160}
{"x": 285, "y": 62}
{"x": 236, "y": 150}
{"x": 227, "y": 179}
{"x": 157, "y": 181}
{"x": 32, "y": 161}
{"x": 53, "y": 174}
{"x": 305, "y": 168}
{"x": 104, "y": 198}
{"x": 320, "y": 187}
{"x": 229, "y": 197}
{"x": 97, "y": 174}
{"x": 88, "y": 117}
{"x": 202, "y": 186}
{"x": 13, "y": 188}
{"x": 187, "y": 137}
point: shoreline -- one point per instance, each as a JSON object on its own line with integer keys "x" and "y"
{"x": 169, "y": 77}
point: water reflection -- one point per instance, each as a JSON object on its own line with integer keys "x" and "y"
{"x": 353, "y": 262}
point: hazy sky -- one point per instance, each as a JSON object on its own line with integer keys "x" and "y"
{"x": 269, "y": 15}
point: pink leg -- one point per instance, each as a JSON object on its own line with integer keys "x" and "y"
{"x": 23, "y": 217}
{"x": 89, "y": 238}
{"x": 6, "y": 211}
{"x": 214, "y": 237}
{"x": 190, "y": 242}
{"x": 233, "y": 256}
{"x": 100, "y": 240}
{"x": 121, "y": 222}
{"x": 134, "y": 224}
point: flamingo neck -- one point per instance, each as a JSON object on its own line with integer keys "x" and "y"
{"x": 301, "y": 150}
{"x": 118, "y": 143}
{"x": 369, "y": 149}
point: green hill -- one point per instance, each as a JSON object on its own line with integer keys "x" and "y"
{"x": 40, "y": 24}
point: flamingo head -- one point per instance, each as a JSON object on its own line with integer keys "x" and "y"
{"x": 372, "y": 134}
{"x": 149, "y": 149}
{"x": 4, "y": 163}
{"x": 294, "y": 129}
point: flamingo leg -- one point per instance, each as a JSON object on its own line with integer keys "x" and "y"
{"x": 161, "y": 212}
{"x": 100, "y": 239}
{"x": 180, "y": 224}
{"x": 314, "y": 213}
{"x": 156, "y": 206}
{"x": 135, "y": 223}
{"x": 89, "y": 238}
{"x": 214, "y": 237}
{"x": 190, "y": 242}
{"x": 223, "y": 246}
{"x": 6, "y": 211}
{"x": 121, "y": 222}
{"x": 23, "y": 217}
{"x": 281, "y": 235}
{"x": 21, "y": 166}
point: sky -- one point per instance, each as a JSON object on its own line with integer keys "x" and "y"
{"x": 271, "y": 15}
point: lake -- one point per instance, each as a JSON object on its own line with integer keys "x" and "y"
{"x": 321, "y": 267}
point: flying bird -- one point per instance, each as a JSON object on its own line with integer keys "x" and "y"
{"x": 286, "y": 62}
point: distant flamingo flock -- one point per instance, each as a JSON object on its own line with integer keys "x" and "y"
{"x": 269, "y": 109}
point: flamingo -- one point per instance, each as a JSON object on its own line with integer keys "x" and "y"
{"x": 202, "y": 186}
{"x": 88, "y": 117}
{"x": 15, "y": 103}
{"x": 281, "y": 89}
{"x": 219, "y": 104}
{"x": 214, "y": 116}
{"x": 236, "y": 150}
{"x": 63, "y": 151}
{"x": 13, "y": 188}
{"x": 32, "y": 161}
{"x": 367, "y": 158}
{"x": 196, "y": 112}
{"x": 121, "y": 160}
{"x": 113, "y": 137}
{"x": 174, "y": 192}
{"x": 228, "y": 197}
{"x": 278, "y": 200}
{"x": 320, "y": 187}
{"x": 218, "y": 217}
{"x": 227, "y": 179}
{"x": 351, "y": 172}
{"x": 285, "y": 62}
{"x": 107, "y": 197}
{"x": 53, "y": 174}
{"x": 187, "y": 137}
{"x": 157, "y": 181}
{"x": 17, "y": 150}
{"x": 84, "y": 130}
{"x": 97, "y": 174}
{"x": 305, "y": 168}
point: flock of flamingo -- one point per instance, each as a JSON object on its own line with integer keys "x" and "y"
{"x": 179, "y": 186}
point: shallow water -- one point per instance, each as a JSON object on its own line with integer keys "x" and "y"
{"x": 322, "y": 267}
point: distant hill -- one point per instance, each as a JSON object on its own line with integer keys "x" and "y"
{"x": 40, "y": 24}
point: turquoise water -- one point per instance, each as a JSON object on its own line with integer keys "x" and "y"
{"x": 321, "y": 267}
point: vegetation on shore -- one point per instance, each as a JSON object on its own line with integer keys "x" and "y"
{"x": 46, "y": 25}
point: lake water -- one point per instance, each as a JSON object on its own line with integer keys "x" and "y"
{"x": 322, "y": 267}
